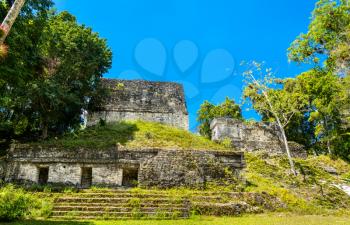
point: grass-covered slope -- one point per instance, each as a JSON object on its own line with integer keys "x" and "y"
{"x": 312, "y": 191}
{"x": 133, "y": 135}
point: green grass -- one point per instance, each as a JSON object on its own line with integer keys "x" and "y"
{"x": 311, "y": 192}
{"x": 133, "y": 135}
{"x": 265, "y": 219}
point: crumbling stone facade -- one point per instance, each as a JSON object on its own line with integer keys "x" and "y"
{"x": 118, "y": 167}
{"x": 253, "y": 137}
{"x": 2, "y": 169}
{"x": 188, "y": 168}
{"x": 143, "y": 100}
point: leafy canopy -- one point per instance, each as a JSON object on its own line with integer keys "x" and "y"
{"x": 52, "y": 72}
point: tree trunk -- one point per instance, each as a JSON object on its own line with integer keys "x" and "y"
{"x": 11, "y": 18}
{"x": 285, "y": 141}
{"x": 284, "y": 137}
{"x": 45, "y": 128}
{"x": 329, "y": 147}
{"x": 328, "y": 142}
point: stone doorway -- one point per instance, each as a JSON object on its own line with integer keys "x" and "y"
{"x": 43, "y": 175}
{"x": 130, "y": 177}
{"x": 86, "y": 177}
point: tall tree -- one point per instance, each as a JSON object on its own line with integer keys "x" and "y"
{"x": 21, "y": 66}
{"x": 54, "y": 74}
{"x": 74, "y": 59}
{"x": 327, "y": 45}
{"x": 278, "y": 105}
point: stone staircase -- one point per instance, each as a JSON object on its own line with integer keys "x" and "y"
{"x": 115, "y": 204}
{"x": 118, "y": 204}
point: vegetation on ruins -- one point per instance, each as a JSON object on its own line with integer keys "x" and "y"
{"x": 269, "y": 188}
{"x": 209, "y": 111}
{"x": 276, "y": 105}
{"x": 314, "y": 106}
{"x": 50, "y": 77}
{"x": 132, "y": 135}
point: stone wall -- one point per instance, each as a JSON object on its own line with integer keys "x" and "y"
{"x": 144, "y": 100}
{"x": 177, "y": 119}
{"x": 155, "y": 167}
{"x": 188, "y": 168}
{"x": 2, "y": 169}
{"x": 253, "y": 137}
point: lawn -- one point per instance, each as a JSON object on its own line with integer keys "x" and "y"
{"x": 265, "y": 219}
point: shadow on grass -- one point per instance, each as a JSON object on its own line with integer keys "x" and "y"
{"x": 101, "y": 136}
{"x": 48, "y": 222}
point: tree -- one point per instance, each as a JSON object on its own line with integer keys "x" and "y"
{"x": 278, "y": 105}
{"x": 328, "y": 37}
{"x": 10, "y": 18}
{"x": 74, "y": 59}
{"x": 55, "y": 74}
{"x": 323, "y": 123}
{"x": 20, "y": 67}
{"x": 327, "y": 45}
{"x": 209, "y": 111}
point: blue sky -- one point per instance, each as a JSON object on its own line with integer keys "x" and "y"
{"x": 199, "y": 43}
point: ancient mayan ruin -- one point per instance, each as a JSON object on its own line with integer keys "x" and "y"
{"x": 147, "y": 167}
{"x": 139, "y": 99}
{"x": 117, "y": 166}
{"x": 255, "y": 136}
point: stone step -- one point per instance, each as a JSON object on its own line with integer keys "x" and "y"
{"x": 116, "y": 208}
{"x": 152, "y": 217}
{"x": 115, "y": 200}
{"x": 157, "y": 193}
{"x": 106, "y": 204}
{"x": 119, "y": 214}
{"x": 127, "y": 194}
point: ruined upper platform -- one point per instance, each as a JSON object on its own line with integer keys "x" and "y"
{"x": 145, "y": 96}
{"x": 162, "y": 102}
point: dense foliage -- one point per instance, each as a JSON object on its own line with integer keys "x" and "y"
{"x": 209, "y": 111}
{"x": 326, "y": 122}
{"x": 51, "y": 73}
{"x": 16, "y": 204}
{"x": 318, "y": 100}
{"x": 328, "y": 37}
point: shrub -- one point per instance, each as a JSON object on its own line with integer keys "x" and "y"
{"x": 16, "y": 204}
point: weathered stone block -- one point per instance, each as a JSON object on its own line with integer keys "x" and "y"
{"x": 187, "y": 168}
{"x": 115, "y": 167}
{"x": 253, "y": 137}
{"x": 143, "y": 100}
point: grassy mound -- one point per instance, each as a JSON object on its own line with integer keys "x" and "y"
{"x": 134, "y": 135}
{"x": 313, "y": 191}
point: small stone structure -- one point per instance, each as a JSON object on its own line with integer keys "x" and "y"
{"x": 143, "y": 100}
{"x": 119, "y": 167}
{"x": 253, "y": 137}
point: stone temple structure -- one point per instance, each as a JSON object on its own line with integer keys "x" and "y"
{"x": 117, "y": 166}
{"x": 138, "y": 99}
{"x": 253, "y": 137}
